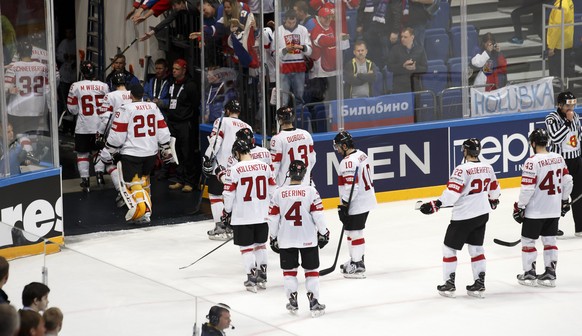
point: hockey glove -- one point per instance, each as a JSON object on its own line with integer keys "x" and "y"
{"x": 99, "y": 141}
{"x": 518, "y": 213}
{"x": 565, "y": 207}
{"x": 207, "y": 166}
{"x": 166, "y": 153}
{"x": 322, "y": 239}
{"x": 430, "y": 207}
{"x": 226, "y": 217}
{"x": 274, "y": 244}
{"x": 219, "y": 172}
{"x": 342, "y": 211}
{"x": 494, "y": 203}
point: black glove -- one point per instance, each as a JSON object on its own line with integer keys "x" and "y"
{"x": 219, "y": 172}
{"x": 226, "y": 217}
{"x": 565, "y": 207}
{"x": 342, "y": 211}
{"x": 322, "y": 239}
{"x": 518, "y": 213}
{"x": 99, "y": 141}
{"x": 493, "y": 203}
{"x": 430, "y": 207}
{"x": 207, "y": 166}
{"x": 116, "y": 157}
{"x": 274, "y": 245}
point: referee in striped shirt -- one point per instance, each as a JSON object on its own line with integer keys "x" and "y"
{"x": 564, "y": 130}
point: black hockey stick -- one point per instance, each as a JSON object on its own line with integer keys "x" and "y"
{"x": 339, "y": 245}
{"x": 419, "y": 203}
{"x": 121, "y": 53}
{"x": 214, "y": 249}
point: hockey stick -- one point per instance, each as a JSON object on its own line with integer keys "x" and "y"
{"x": 339, "y": 245}
{"x": 214, "y": 249}
{"x": 514, "y": 243}
{"x": 121, "y": 53}
{"x": 419, "y": 203}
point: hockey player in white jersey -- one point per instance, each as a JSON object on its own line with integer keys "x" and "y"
{"x": 546, "y": 185}
{"x": 472, "y": 191}
{"x": 111, "y": 103}
{"x": 26, "y": 85}
{"x": 138, "y": 130}
{"x": 257, "y": 152}
{"x": 355, "y": 205}
{"x": 219, "y": 148}
{"x": 298, "y": 227}
{"x": 85, "y": 100}
{"x": 247, "y": 192}
{"x": 290, "y": 144}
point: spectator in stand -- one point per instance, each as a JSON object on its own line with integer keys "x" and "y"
{"x": 219, "y": 92}
{"x": 268, "y": 11}
{"x": 4, "y": 272}
{"x": 554, "y": 40}
{"x": 322, "y": 83}
{"x": 303, "y": 16}
{"x": 177, "y": 7}
{"x": 360, "y": 73}
{"x": 491, "y": 63}
{"x": 53, "y": 321}
{"x": 147, "y": 9}
{"x": 407, "y": 61}
{"x": 31, "y": 323}
{"x": 293, "y": 44}
{"x": 118, "y": 65}
{"x": 331, "y": 4}
{"x": 156, "y": 90}
{"x": 9, "y": 320}
{"x": 374, "y": 21}
{"x": 533, "y": 7}
{"x": 183, "y": 121}
{"x": 418, "y": 18}
{"x": 35, "y": 296}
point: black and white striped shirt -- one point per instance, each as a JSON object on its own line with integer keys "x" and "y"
{"x": 564, "y": 136}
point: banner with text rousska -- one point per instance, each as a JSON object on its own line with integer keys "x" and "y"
{"x": 375, "y": 111}
{"x": 524, "y": 97}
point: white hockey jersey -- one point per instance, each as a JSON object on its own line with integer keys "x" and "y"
{"x": 31, "y": 81}
{"x": 257, "y": 153}
{"x": 85, "y": 100}
{"x": 545, "y": 182}
{"x": 286, "y": 146}
{"x": 111, "y": 103}
{"x": 138, "y": 129}
{"x": 470, "y": 187}
{"x": 295, "y": 216}
{"x": 247, "y": 192}
{"x": 364, "y": 196}
{"x": 224, "y": 138}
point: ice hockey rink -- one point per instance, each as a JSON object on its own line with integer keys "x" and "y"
{"x": 129, "y": 282}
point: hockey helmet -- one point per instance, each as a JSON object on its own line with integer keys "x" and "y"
{"x": 118, "y": 79}
{"x": 247, "y": 135}
{"x": 241, "y": 147}
{"x": 88, "y": 69}
{"x": 233, "y": 106}
{"x": 297, "y": 170}
{"x": 343, "y": 138}
{"x": 567, "y": 98}
{"x": 473, "y": 147}
{"x": 24, "y": 49}
{"x": 285, "y": 114}
{"x": 539, "y": 136}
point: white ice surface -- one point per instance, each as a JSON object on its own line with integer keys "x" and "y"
{"x": 146, "y": 294}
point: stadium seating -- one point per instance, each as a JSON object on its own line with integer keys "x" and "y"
{"x": 442, "y": 18}
{"x": 472, "y": 40}
{"x": 455, "y": 70}
{"x": 451, "y": 101}
{"x": 436, "y": 45}
{"x": 436, "y": 76}
{"x": 425, "y": 109}
{"x": 320, "y": 118}
{"x": 388, "y": 80}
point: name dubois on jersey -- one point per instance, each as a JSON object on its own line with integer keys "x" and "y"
{"x": 295, "y": 137}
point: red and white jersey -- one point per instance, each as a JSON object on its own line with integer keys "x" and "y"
{"x": 138, "y": 129}
{"x": 247, "y": 190}
{"x": 364, "y": 195}
{"x": 286, "y": 146}
{"x": 41, "y": 55}
{"x": 545, "y": 182}
{"x": 111, "y": 103}
{"x": 31, "y": 81}
{"x": 295, "y": 216}
{"x": 85, "y": 100}
{"x": 224, "y": 138}
{"x": 470, "y": 187}
{"x": 257, "y": 153}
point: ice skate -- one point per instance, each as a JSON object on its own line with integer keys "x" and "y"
{"x": 85, "y": 184}
{"x": 548, "y": 279}
{"x": 478, "y": 288}
{"x": 448, "y": 289}
{"x": 317, "y": 309}
{"x": 262, "y": 277}
{"x": 353, "y": 270}
{"x": 145, "y": 219}
{"x": 251, "y": 283}
{"x": 219, "y": 232}
{"x": 528, "y": 278}
{"x": 100, "y": 179}
{"x": 292, "y": 306}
